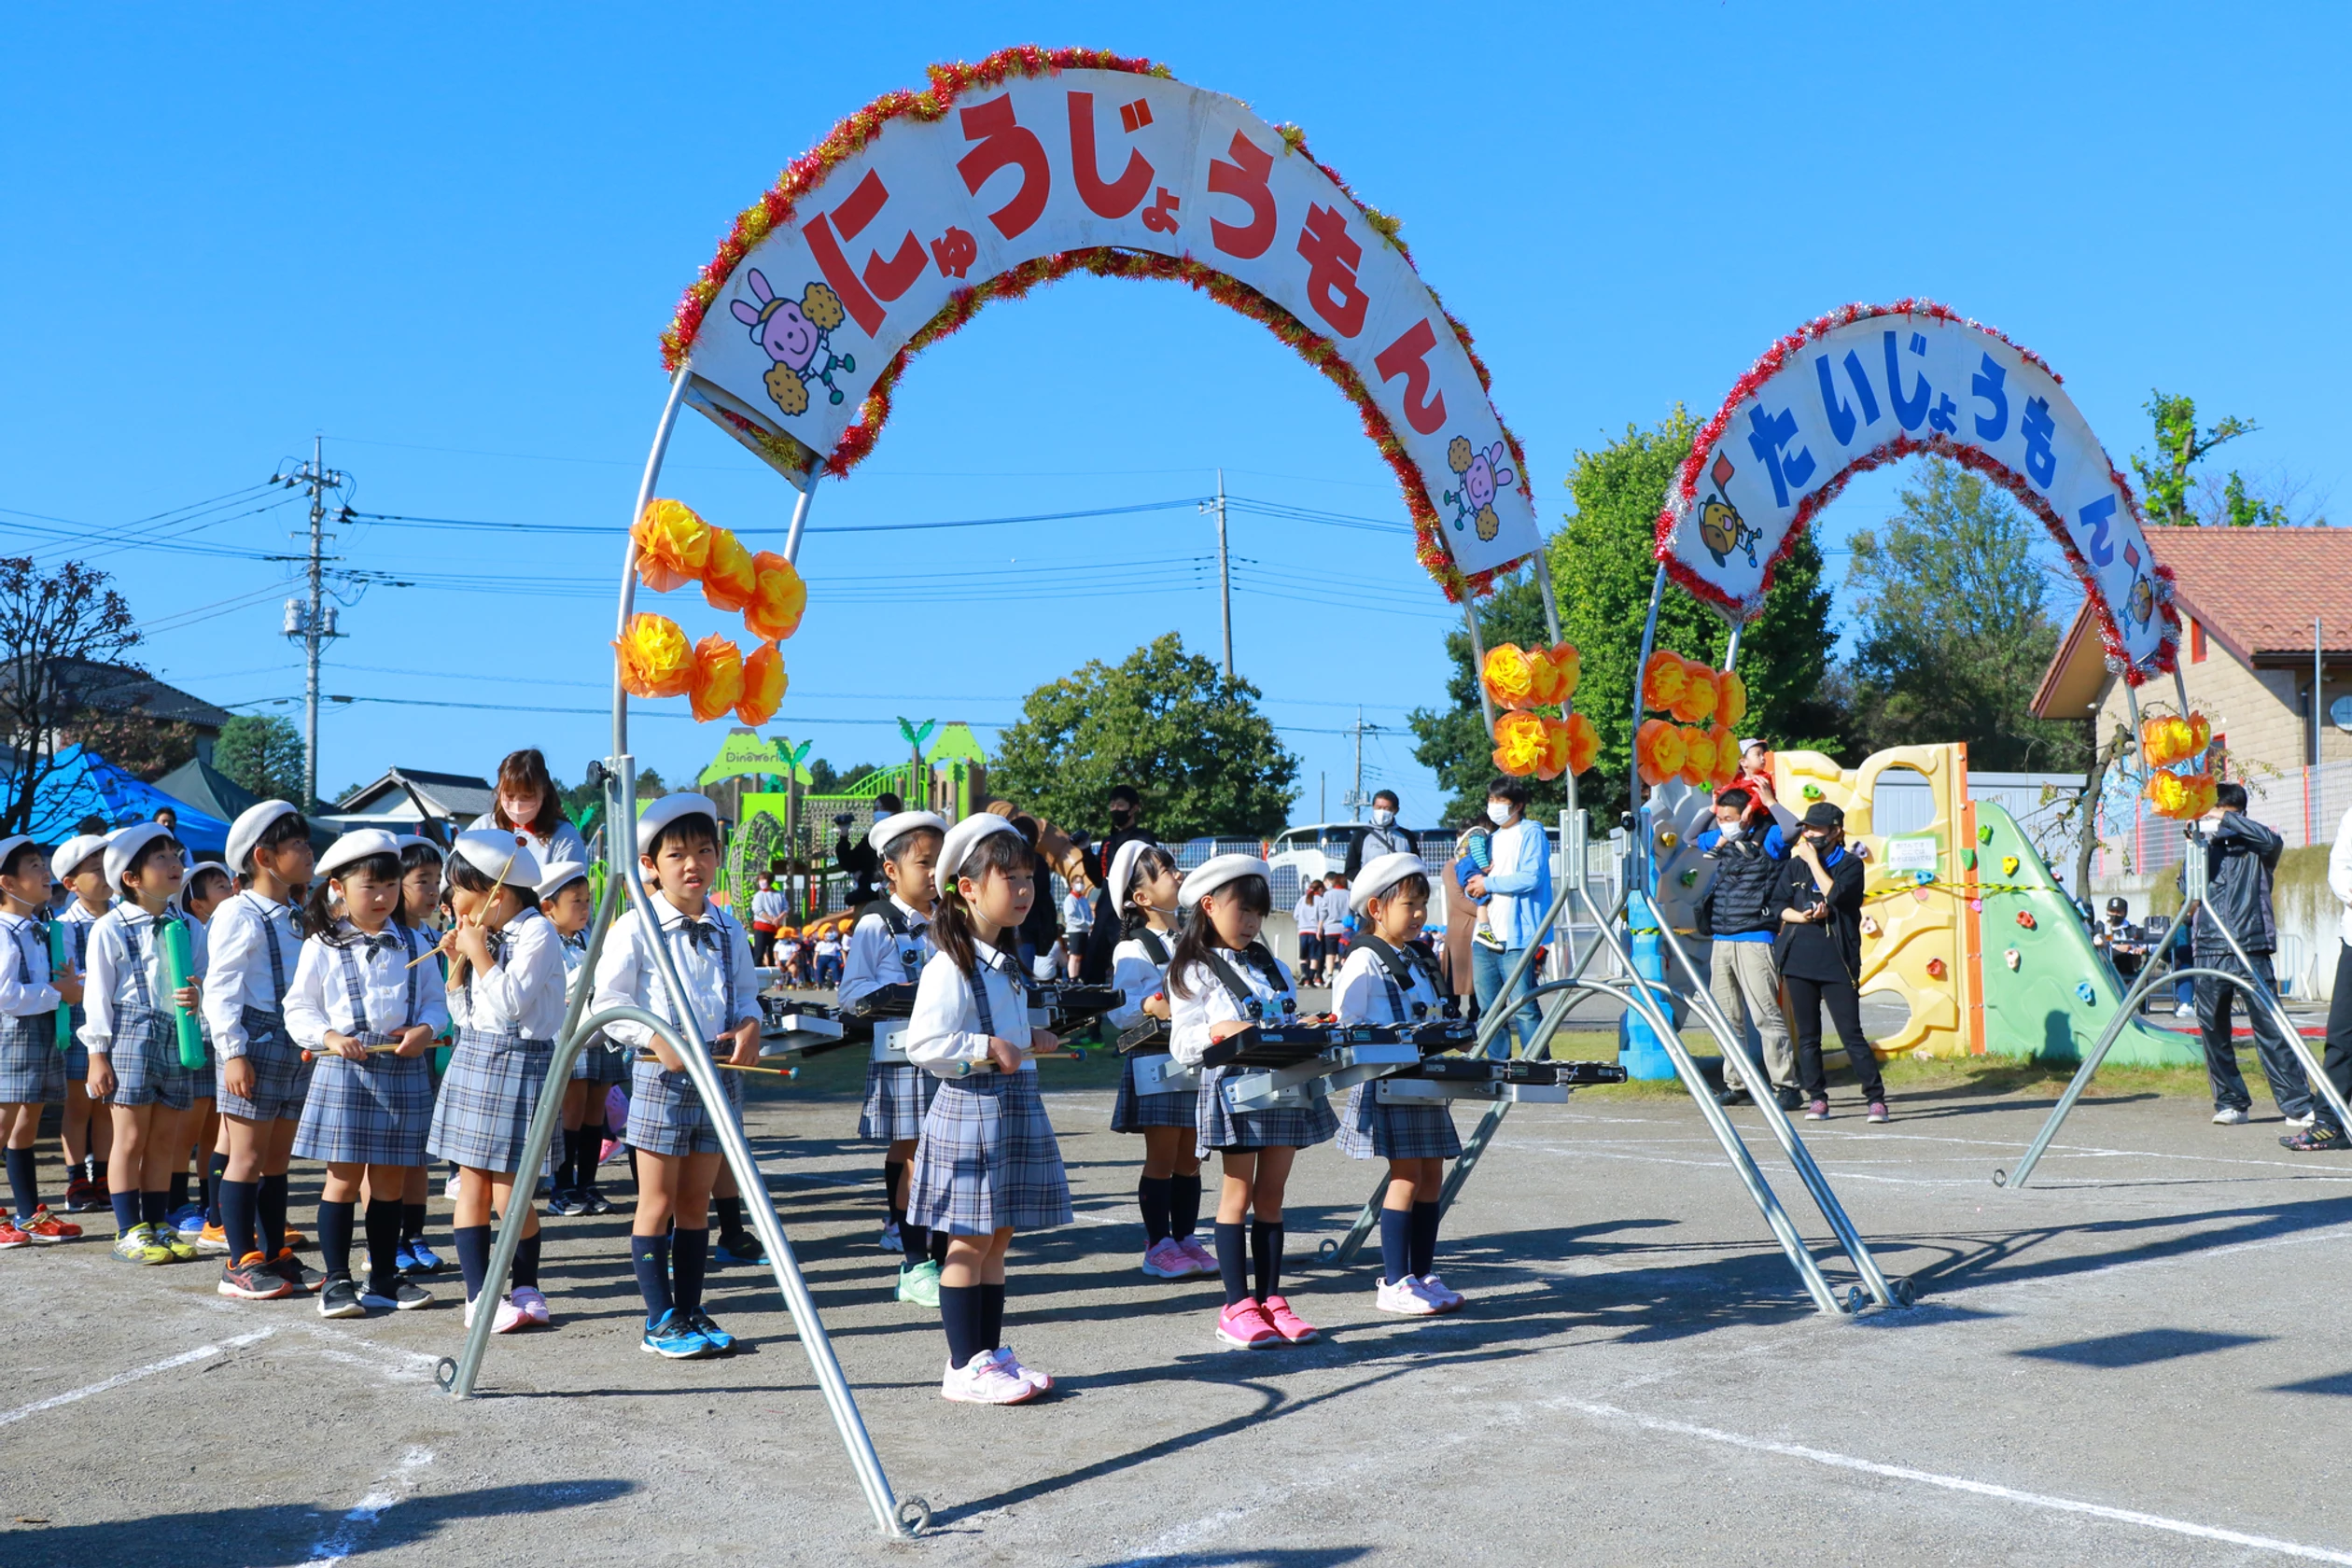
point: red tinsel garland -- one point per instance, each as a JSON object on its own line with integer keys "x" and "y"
{"x": 805, "y": 173}
{"x": 1686, "y": 487}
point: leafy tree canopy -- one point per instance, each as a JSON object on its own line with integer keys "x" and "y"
{"x": 264, "y": 754}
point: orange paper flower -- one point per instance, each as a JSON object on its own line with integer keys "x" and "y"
{"x": 1658, "y": 751}
{"x": 1519, "y": 743}
{"x": 718, "y": 682}
{"x": 1584, "y": 743}
{"x": 779, "y": 601}
{"x": 1696, "y": 704}
{"x": 1723, "y": 759}
{"x": 2165, "y": 741}
{"x": 655, "y": 660}
{"x": 673, "y": 545}
{"x": 2182, "y": 797}
{"x": 1731, "y": 698}
{"x": 729, "y": 581}
{"x": 2200, "y": 734}
{"x": 763, "y": 683}
{"x": 1567, "y": 668}
{"x": 1511, "y": 676}
{"x": 1699, "y": 759}
{"x": 1662, "y": 679}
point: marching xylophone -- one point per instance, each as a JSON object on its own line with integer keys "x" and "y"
{"x": 1295, "y": 1062}
{"x": 1449, "y": 1078}
{"x": 790, "y": 1027}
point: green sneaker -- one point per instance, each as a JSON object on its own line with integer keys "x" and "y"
{"x": 181, "y": 1248}
{"x": 918, "y": 1283}
{"x": 138, "y": 1245}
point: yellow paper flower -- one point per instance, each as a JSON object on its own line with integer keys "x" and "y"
{"x": 655, "y": 658}
{"x": 673, "y": 545}
{"x": 779, "y": 601}
{"x": 1729, "y": 743}
{"x": 729, "y": 581}
{"x": 718, "y": 678}
{"x": 1518, "y": 743}
{"x": 1511, "y": 676}
{"x": 1555, "y": 761}
{"x": 1662, "y": 681}
{"x": 763, "y": 683}
{"x": 1584, "y": 743}
{"x": 2165, "y": 741}
{"x": 1568, "y": 667}
{"x": 1723, "y": 756}
{"x": 1699, "y": 759}
{"x": 1731, "y": 698}
{"x": 1696, "y": 704}
{"x": 1658, "y": 751}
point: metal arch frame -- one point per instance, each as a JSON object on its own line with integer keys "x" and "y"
{"x": 897, "y": 1519}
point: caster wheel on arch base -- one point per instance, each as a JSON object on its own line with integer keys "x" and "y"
{"x": 914, "y": 1515}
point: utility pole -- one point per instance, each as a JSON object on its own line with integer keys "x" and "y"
{"x": 311, "y": 620}
{"x": 1225, "y": 572}
{"x": 1355, "y": 796}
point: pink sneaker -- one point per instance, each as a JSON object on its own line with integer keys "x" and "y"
{"x": 984, "y": 1381}
{"x": 1203, "y": 1261}
{"x": 531, "y": 1304}
{"x": 1041, "y": 1381}
{"x": 1440, "y": 1297}
{"x": 1167, "y": 1261}
{"x": 508, "y": 1318}
{"x": 1244, "y": 1324}
{"x": 1287, "y": 1323}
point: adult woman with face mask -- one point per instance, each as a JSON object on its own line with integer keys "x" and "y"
{"x": 1516, "y": 887}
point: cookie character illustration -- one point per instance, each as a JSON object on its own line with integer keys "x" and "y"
{"x": 1721, "y": 528}
{"x": 1483, "y": 473}
{"x": 797, "y": 335}
{"x": 2143, "y": 601}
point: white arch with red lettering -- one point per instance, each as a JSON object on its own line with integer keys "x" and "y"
{"x": 1027, "y": 176}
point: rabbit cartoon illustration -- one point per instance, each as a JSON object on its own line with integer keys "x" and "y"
{"x": 1483, "y": 473}
{"x": 796, "y": 335}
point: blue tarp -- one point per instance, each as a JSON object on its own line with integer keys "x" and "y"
{"x": 87, "y": 785}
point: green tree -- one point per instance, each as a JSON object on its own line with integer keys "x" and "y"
{"x": 1192, "y": 743}
{"x": 825, "y": 779}
{"x": 262, "y": 753}
{"x": 2169, "y": 484}
{"x": 1955, "y": 632}
{"x": 1602, "y": 568}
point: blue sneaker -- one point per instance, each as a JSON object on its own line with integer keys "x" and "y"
{"x": 187, "y": 1219}
{"x": 405, "y": 1259}
{"x": 565, "y": 1202}
{"x": 421, "y": 1258}
{"x": 721, "y": 1340}
{"x": 674, "y": 1338}
{"x": 741, "y": 1248}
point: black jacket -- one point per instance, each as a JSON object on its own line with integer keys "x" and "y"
{"x": 1102, "y": 938}
{"x": 1371, "y": 844}
{"x": 2240, "y": 856}
{"x": 1831, "y": 950}
{"x": 1745, "y": 893}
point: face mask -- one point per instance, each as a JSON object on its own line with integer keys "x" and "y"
{"x": 1121, "y": 815}
{"x": 1499, "y": 813}
{"x": 1383, "y": 817}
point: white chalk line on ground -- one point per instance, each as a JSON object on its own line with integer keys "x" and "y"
{"x": 1956, "y": 1483}
{"x": 344, "y": 1538}
{"x": 169, "y": 1364}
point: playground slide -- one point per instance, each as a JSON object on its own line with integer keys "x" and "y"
{"x": 2047, "y": 992}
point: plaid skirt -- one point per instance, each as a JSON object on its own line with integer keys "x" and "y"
{"x": 31, "y": 1068}
{"x": 1219, "y": 1128}
{"x": 147, "y": 1071}
{"x": 1133, "y": 1112}
{"x": 897, "y": 1096}
{"x": 989, "y": 1159}
{"x": 600, "y": 1062}
{"x": 482, "y": 1117}
{"x": 372, "y": 1113}
{"x": 1370, "y": 1130}
{"x": 281, "y": 1078}
{"x": 667, "y": 1113}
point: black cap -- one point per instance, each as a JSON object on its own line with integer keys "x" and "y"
{"x": 2118, "y": 906}
{"x": 1821, "y": 814}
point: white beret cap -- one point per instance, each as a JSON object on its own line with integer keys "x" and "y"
{"x": 8, "y": 846}
{"x": 669, "y": 809}
{"x": 960, "y": 839}
{"x": 73, "y": 852}
{"x": 1383, "y": 874}
{"x": 556, "y": 876}
{"x": 1215, "y": 871}
{"x": 356, "y": 847}
{"x": 878, "y": 837}
{"x": 1123, "y": 872}
{"x": 124, "y": 846}
{"x": 246, "y": 832}
{"x": 505, "y": 855}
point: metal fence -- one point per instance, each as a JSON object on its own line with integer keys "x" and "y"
{"x": 2304, "y": 805}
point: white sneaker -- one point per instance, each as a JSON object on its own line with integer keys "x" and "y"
{"x": 531, "y": 1304}
{"x": 449, "y": 1189}
{"x": 1436, "y": 1289}
{"x": 889, "y": 1240}
{"x": 1041, "y": 1381}
{"x": 2184, "y": 1011}
{"x": 508, "y": 1318}
{"x": 2229, "y": 1115}
{"x": 1404, "y": 1300}
{"x": 982, "y": 1381}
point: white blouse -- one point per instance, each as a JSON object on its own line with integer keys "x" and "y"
{"x": 523, "y": 993}
{"x": 1137, "y": 977}
{"x": 629, "y": 975}
{"x": 878, "y": 957}
{"x": 1358, "y": 995}
{"x": 564, "y": 843}
{"x": 237, "y": 975}
{"x": 18, "y": 998}
{"x": 318, "y": 1002}
{"x": 108, "y": 984}
{"x": 945, "y": 1027}
{"x": 1191, "y": 1016}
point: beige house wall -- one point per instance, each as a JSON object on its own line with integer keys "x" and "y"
{"x": 2255, "y": 710}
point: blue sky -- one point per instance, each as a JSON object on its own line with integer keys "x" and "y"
{"x": 447, "y": 238}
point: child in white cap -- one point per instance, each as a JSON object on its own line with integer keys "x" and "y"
{"x": 565, "y": 901}
{"x": 420, "y": 911}
{"x": 78, "y": 865}
{"x": 1144, "y": 886}
{"x": 31, "y": 1068}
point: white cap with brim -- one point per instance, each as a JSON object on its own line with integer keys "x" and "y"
{"x": 245, "y": 834}
{"x": 10, "y": 845}
{"x": 356, "y": 847}
{"x": 1123, "y": 873}
{"x": 878, "y": 837}
{"x": 1215, "y": 871}
{"x": 557, "y": 876}
{"x": 1751, "y": 744}
{"x": 1379, "y": 877}
{"x": 73, "y": 852}
{"x": 504, "y": 855}
{"x": 961, "y": 840}
{"x": 669, "y": 809}
{"x": 124, "y": 846}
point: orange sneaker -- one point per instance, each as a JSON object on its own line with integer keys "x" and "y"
{"x": 11, "y": 1237}
{"x": 211, "y": 1241}
{"x": 46, "y": 1228}
{"x": 295, "y": 1238}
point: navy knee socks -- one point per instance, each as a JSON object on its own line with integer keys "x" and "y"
{"x": 23, "y": 1183}
{"x": 690, "y": 1257}
{"x": 651, "y": 1257}
{"x": 334, "y": 1239}
{"x": 1266, "y": 1241}
{"x": 1154, "y": 1195}
{"x": 1233, "y": 1260}
{"x": 473, "y": 1257}
{"x": 991, "y": 1317}
{"x": 271, "y": 1205}
{"x": 1424, "y": 1239}
{"x": 527, "y": 1262}
{"x": 238, "y": 1201}
{"x": 1396, "y": 1244}
{"x": 961, "y": 1315}
{"x": 383, "y": 1222}
{"x": 1183, "y": 1205}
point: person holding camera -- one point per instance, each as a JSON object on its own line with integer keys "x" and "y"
{"x": 858, "y": 859}
{"x": 1740, "y": 918}
{"x": 2241, "y": 855}
{"x": 1819, "y": 955}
